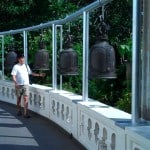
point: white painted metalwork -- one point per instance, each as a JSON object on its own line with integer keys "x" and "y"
{"x": 136, "y": 57}
{"x": 85, "y": 55}
{"x": 2, "y": 57}
{"x": 25, "y": 46}
{"x": 145, "y": 98}
{"x": 54, "y": 57}
{"x": 61, "y": 47}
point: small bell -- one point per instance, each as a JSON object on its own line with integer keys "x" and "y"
{"x": 11, "y": 57}
{"x": 102, "y": 55}
{"x": 68, "y": 62}
{"x": 102, "y": 60}
{"x": 41, "y": 58}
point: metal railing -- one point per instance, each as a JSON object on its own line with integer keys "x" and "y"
{"x": 85, "y": 13}
{"x": 82, "y": 12}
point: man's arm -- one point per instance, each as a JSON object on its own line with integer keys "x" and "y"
{"x": 14, "y": 79}
{"x": 38, "y": 74}
{"x": 35, "y": 74}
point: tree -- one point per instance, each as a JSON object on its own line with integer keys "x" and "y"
{"x": 118, "y": 14}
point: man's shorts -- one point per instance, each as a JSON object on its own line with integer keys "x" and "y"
{"x": 22, "y": 90}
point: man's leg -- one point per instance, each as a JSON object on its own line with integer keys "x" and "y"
{"x": 25, "y": 97}
{"x": 19, "y": 106}
{"x": 18, "y": 95}
{"x": 19, "y": 103}
{"x": 25, "y": 104}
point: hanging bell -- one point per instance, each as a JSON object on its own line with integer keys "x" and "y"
{"x": 102, "y": 55}
{"x": 11, "y": 57}
{"x": 41, "y": 58}
{"x": 102, "y": 61}
{"x": 68, "y": 64}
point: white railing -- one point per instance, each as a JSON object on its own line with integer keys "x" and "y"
{"x": 95, "y": 125}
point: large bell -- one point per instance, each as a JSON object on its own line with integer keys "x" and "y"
{"x": 41, "y": 58}
{"x": 68, "y": 64}
{"x": 11, "y": 57}
{"x": 102, "y": 54}
{"x": 102, "y": 61}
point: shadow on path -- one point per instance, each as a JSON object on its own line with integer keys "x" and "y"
{"x": 36, "y": 133}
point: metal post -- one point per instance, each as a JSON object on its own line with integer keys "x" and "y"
{"x": 85, "y": 55}
{"x": 145, "y": 99}
{"x": 25, "y": 46}
{"x": 136, "y": 80}
{"x": 61, "y": 42}
{"x": 54, "y": 58}
{"x": 103, "y": 12}
{"x": 3, "y": 70}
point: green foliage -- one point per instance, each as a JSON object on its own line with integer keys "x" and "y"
{"x": 124, "y": 102}
{"x": 125, "y": 50}
{"x": 118, "y": 14}
{"x": 13, "y": 13}
{"x": 60, "y": 9}
{"x": 120, "y": 23}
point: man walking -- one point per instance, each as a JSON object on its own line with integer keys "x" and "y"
{"x": 20, "y": 75}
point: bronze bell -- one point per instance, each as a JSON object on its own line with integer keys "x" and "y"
{"x": 41, "y": 58}
{"x": 68, "y": 63}
{"x": 11, "y": 57}
{"x": 102, "y": 55}
{"x": 102, "y": 60}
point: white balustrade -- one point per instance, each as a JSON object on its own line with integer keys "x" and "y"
{"x": 39, "y": 99}
{"x": 95, "y": 125}
{"x": 63, "y": 110}
{"x": 138, "y": 137}
{"x": 7, "y": 92}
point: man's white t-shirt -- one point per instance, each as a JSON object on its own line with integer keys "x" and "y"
{"x": 22, "y": 73}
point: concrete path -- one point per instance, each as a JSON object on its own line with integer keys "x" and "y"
{"x": 35, "y": 133}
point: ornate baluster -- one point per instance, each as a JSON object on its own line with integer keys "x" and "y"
{"x": 102, "y": 143}
{"x": 35, "y": 99}
{"x": 7, "y": 92}
{"x": 12, "y": 93}
{"x": 67, "y": 115}
{"x": 89, "y": 129}
{"x": 58, "y": 107}
{"x": 113, "y": 141}
{"x": 53, "y": 107}
{"x": 96, "y": 133}
{"x": 30, "y": 98}
{"x": 43, "y": 102}
{"x": 62, "y": 112}
{"x": 39, "y": 101}
{"x": 82, "y": 125}
{"x": 3, "y": 91}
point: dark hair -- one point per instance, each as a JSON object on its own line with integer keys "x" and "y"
{"x": 20, "y": 56}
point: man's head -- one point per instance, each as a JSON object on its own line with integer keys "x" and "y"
{"x": 20, "y": 58}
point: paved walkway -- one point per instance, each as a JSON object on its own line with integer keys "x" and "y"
{"x": 36, "y": 133}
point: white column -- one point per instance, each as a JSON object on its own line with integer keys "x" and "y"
{"x": 136, "y": 62}
{"x": 25, "y": 46}
{"x": 85, "y": 55}
{"x": 145, "y": 101}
